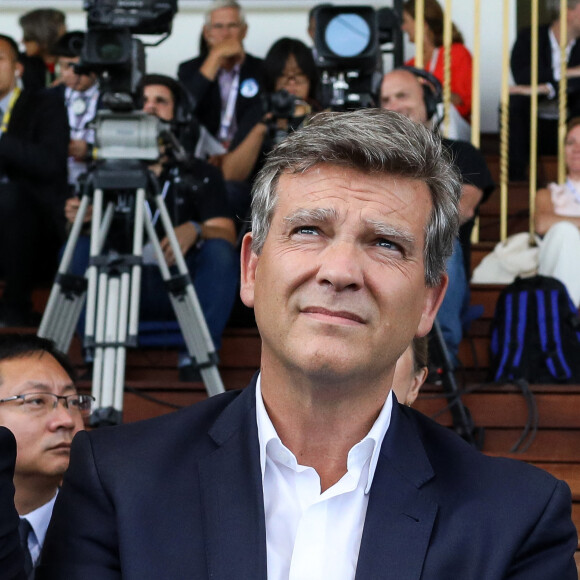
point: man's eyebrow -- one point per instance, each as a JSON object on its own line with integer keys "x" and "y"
{"x": 399, "y": 235}
{"x": 40, "y": 387}
{"x": 304, "y": 216}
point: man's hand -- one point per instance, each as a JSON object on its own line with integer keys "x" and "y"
{"x": 225, "y": 54}
{"x": 71, "y": 209}
{"x": 186, "y": 237}
{"x": 78, "y": 149}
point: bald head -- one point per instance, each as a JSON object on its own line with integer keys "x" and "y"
{"x": 402, "y": 91}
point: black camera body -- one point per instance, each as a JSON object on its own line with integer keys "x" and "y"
{"x": 280, "y": 105}
{"x": 122, "y": 131}
{"x": 111, "y": 50}
{"x": 139, "y": 16}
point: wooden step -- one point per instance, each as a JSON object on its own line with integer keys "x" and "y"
{"x": 517, "y": 208}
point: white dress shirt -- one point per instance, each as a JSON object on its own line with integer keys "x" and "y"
{"x": 312, "y": 535}
{"x": 38, "y": 520}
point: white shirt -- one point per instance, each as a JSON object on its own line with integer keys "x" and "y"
{"x": 38, "y": 520}
{"x": 310, "y": 535}
{"x": 555, "y": 45}
{"x": 79, "y": 123}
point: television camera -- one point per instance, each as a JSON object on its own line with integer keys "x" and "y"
{"x": 348, "y": 54}
{"x": 350, "y": 42}
{"x": 121, "y": 189}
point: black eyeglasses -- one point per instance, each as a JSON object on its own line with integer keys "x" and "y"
{"x": 42, "y": 403}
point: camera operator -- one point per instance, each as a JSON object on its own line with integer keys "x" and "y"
{"x": 204, "y": 228}
{"x": 290, "y": 67}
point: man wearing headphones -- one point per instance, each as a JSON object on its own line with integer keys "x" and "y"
{"x": 416, "y": 94}
{"x": 33, "y": 154}
{"x": 203, "y": 224}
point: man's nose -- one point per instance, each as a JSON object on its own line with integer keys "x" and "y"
{"x": 395, "y": 105}
{"x": 62, "y": 416}
{"x": 341, "y": 265}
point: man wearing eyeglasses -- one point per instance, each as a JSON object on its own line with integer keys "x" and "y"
{"x": 39, "y": 403}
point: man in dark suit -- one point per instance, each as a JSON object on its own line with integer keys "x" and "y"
{"x": 33, "y": 186}
{"x": 225, "y": 81}
{"x": 226, "y": 84}
{"x": 11, "y": 561}
{"x": 40, "y": 405}
{"x": 315, "y": 470}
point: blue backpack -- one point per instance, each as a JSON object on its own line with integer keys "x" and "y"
{"x": 535, "y": 333}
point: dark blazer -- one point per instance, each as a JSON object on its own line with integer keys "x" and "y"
{"x": 34, "y": 150}
{"x": 11, "y": 558}
{"x": 207, "y": 99}
{"x": 180, "y": 496}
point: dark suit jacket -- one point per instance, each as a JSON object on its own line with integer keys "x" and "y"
{"x": 34, "y": 151}
{"x": 180, "y": 496}
{"x": 11, "y": 558}
{"x": 207, "y": 99}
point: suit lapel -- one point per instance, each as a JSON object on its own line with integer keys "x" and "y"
{"x": 400, "y": 515}
{"x": 231, "y": 487}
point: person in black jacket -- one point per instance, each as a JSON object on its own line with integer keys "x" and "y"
{"x": 33, "y": 184}
{"x": 11, "y": 560}
{"x": 548, "y": 81}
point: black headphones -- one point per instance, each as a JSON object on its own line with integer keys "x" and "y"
{"x": 432, "y": 89}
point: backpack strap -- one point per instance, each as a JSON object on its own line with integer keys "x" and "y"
{"x": 513, "y": 335}
{"x": 550, "y": 338}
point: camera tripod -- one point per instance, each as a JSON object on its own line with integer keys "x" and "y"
{"x": 112, "y": 286}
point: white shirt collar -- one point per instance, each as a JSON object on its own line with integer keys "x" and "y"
{"x": 40, "y": 518}
{"x": 267, "y": 433}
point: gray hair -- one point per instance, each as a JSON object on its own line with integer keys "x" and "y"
{"x": 219, "y": 4}
{"x": 368, "y": 140}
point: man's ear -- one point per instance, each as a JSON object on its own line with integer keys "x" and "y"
{"x": 418, "y": 380}
{"x": 249, "y": 262}
{"x": 433, "y": 297}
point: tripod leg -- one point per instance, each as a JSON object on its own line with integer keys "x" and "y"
{"x": 68, "y": 292}
{"x": 136, "y": 269}
{"x": 185, "y": 304}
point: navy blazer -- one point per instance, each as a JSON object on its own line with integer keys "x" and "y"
{"x": 207, "y": 98}
{"x": 180, "y": 496}
{"x": 11, "y": 557}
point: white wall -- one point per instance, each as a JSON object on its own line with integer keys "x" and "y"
{"x": 271, "y": 19}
